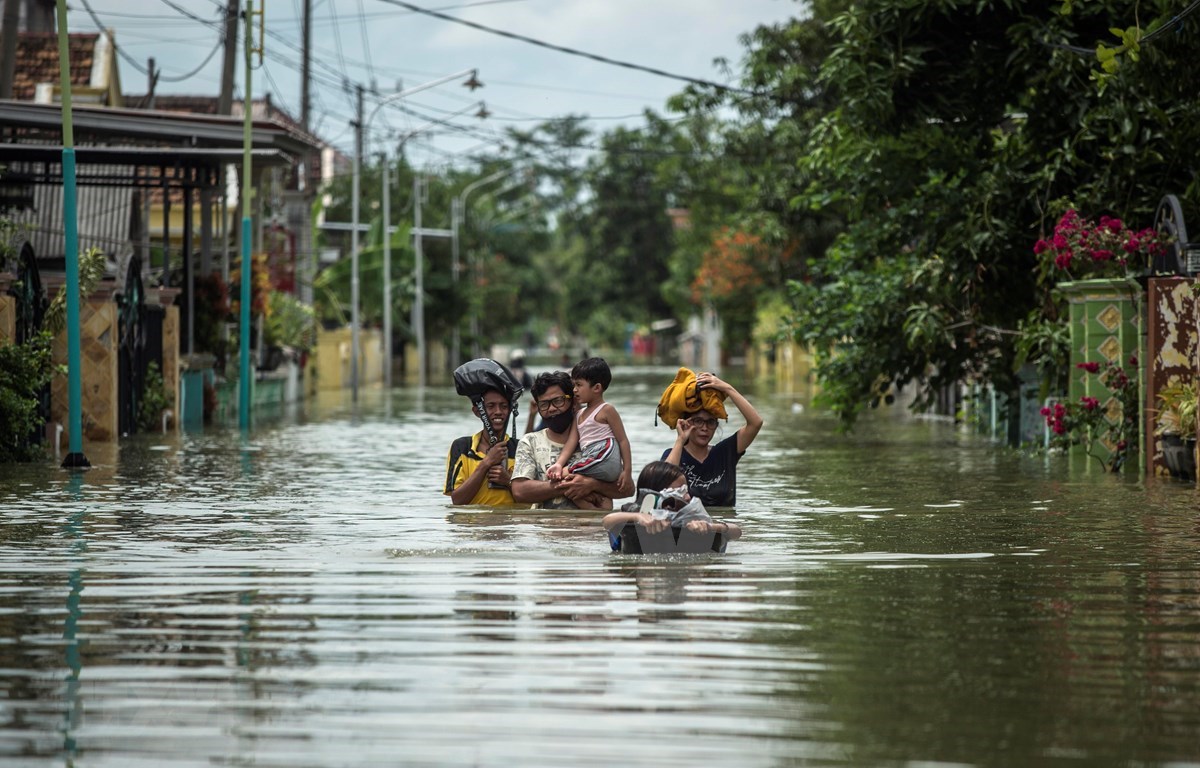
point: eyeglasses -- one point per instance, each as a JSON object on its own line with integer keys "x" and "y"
{"x": 700, "y": 421}
{"x": 554, "y": 402}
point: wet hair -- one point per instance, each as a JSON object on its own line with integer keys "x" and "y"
{"x": 544, "y": 381}
{"x": 658, "y": 475}
{"x": 594, "y": 370}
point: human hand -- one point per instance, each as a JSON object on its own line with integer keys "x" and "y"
{"x": 574, "y": 487}
{"x": 698, "y": 526}
{"x": 683, "y": 430}
{"x": 554, "y": 472}
{"x": 625, "y": 484}
{"x": 495, "y": 455}
{"x": 653, "y": 524}
{"x": 710, "y": 381}
{"x": 499, "y": 475}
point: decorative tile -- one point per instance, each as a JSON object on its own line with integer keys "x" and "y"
{"x": 1109, "y": 317}
{"x": 1110, "y": 348}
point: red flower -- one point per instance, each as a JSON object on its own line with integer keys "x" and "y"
{"x": 1089, "y": 367}
{"x": 1089, "y": 403}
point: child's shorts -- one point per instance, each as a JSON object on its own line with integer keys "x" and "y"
{"x": 601, "y": 460}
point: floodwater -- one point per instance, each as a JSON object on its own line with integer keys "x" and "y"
{"x": 911, "y": 595}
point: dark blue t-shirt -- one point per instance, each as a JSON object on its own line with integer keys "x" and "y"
{"x": 713, "y": 481}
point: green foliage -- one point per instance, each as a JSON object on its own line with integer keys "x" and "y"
{"x": 154, "y": 400}
{"x": 25, "y": 371}
{"x": 1177, "y": 412}
{"x": 91, "y": 269}
{"x": 1044, "y": 343}
{"x": 290, "y": 323}
{"x": 1090, "y": 423}
{"x": 932, "y": 144}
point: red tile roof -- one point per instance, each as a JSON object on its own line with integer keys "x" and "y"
{"x": 37, "y": 61}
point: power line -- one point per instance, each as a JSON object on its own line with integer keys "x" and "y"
{"x": 571, "y": 51}
{"x": 1174, "y": 21}
{"x": 104, "y": 31}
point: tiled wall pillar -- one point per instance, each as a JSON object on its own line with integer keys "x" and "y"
{"x": 1104, "y": 328}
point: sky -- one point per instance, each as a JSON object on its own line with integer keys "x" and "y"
{"x": 381, "y": 44}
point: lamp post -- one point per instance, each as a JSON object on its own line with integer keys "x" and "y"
{"x": 360, "y": 126}
{"x": 75, "y": 459}
{"x": 458, "y": 211}
{"x": 387, "y": 240}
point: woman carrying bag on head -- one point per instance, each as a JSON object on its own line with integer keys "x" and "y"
{"x": 695, "y": 403}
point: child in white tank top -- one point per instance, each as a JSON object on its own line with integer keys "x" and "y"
{"x": 597, "y": 432}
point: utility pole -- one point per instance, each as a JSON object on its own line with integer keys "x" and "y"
{"x": 247, "y": 189}
{"x": 306, "y": 67}
{"x": 8, "y": 48}
{"x": 358, "y": 142}
{"x": 152, "y": 81}
{"x": 225, "y": 100}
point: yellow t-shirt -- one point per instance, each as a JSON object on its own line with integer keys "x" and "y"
{"x": 464, "y": 456}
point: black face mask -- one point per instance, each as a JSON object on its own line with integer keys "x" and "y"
{"x": 560, "y": 422}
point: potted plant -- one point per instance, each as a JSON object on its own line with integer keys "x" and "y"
{"x": 1176, "y": 426}
{"x": 1085, "y": 249}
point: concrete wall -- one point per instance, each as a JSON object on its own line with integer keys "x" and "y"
{"x": 330, "y": 359}
{"x": 99, "y": 339}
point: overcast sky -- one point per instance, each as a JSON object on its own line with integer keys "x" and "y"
{"x": 377, "y": 41}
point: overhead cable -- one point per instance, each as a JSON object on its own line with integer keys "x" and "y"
{"x": 571, "y": 51}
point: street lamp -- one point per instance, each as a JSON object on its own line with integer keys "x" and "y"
{"x": 458, "y": 212}
{"x": 360, "y": 126}
{"x": 387, "y": 239}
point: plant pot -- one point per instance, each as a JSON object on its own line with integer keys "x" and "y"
{"x": 1180, "y": 456}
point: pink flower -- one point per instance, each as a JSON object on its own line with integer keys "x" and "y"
{"x": 1089, "y": 403}
{"x": 1089, "y": 367}
{"x": 1058, "y": 428}
{"x": 1102, "y": 254}
{"x": 1040, "y": 247}
{"x": 1046, "y": 411}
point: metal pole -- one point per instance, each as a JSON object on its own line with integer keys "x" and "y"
{"x": 460, "y": 203}
{"x": 455, "y": 218}
{"x": 418, "y": 319}
{"x": 387, "y": 276}
{"x": 360, "y": 125}
{"x": 244, "y": 320}
{"x": 358, "y": 140}
{"x": 75, "y": 458}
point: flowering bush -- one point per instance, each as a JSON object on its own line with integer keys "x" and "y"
{"x": 1081, "y": 247}
{"x": 1087, "y": 423}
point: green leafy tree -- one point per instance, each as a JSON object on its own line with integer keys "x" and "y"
{"x": 935, "y": 143}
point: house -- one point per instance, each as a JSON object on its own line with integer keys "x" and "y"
{"x": 159, "y": 194}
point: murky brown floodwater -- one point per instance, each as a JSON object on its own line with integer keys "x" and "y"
{"x": 908, "y": 596}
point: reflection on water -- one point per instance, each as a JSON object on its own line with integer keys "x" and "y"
{"x": 304, "y": 596}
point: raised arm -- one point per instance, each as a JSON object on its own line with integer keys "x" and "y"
{"x": 754, "y": 422}
{"x": 683, "y": 432}
{"x": 532, "y": 416}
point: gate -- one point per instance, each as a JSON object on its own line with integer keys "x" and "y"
{"x": 31, "y": 313}
{"x": 132, "y": 362}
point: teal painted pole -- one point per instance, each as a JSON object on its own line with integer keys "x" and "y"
{"x": 244, "y": 320}
{"x": 75, "y": 458}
